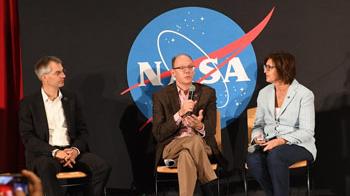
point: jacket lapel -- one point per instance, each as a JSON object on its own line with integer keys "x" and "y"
{"x": 41, "y": 114}
{"x": 272, "y": 101}
{"x": 66, "y": 109}
{"x": 289, "y": 97}
{"x": 197, "y": 96}
{"x": 174, "y": 98}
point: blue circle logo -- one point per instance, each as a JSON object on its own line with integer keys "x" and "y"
{"x": 224, "y": 59}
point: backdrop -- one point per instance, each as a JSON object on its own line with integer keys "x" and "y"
{"x": 94, "y": 39}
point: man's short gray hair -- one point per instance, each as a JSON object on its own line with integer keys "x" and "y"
{"x": 42, "y": 66}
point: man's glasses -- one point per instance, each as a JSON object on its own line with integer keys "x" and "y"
{"x": 183, "y": 68}
{"x": 59, "y": 72}
{"x": 268, "y": 67}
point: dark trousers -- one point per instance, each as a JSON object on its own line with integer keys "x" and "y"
{"x": 271, "y": 170}
{"x": 97, "y": 170}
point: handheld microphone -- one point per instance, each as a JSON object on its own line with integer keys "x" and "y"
{"x": 191, "y": 92}
{"x": 190, "y": 97}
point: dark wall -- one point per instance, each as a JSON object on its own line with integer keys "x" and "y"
{"x": 94, "y": 39}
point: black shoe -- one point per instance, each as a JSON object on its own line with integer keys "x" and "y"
{"x": 210, "y": 188}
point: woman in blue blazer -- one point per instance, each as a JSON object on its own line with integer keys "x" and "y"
{"x": 283, "y": 130}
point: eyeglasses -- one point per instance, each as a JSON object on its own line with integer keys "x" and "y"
{"x": 268, "y": 67}
{"x": 183, "y": 68}
{"x": 59, "y": 72}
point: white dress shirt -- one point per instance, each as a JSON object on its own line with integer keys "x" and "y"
{"x": 58, "y": 133}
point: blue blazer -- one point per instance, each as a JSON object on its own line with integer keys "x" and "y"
{"x": 296, "y": 120}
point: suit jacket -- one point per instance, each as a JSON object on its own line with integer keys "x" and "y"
{"x": 166, "y": 103}
{"x": 295, "y": 121}
{"x": 34, "y": 130}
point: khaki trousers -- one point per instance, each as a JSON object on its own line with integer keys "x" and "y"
{"x": 191, "y": 156}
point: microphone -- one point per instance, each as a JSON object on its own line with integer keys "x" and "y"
{"x": 170, "y": 162}
{"x": 190, "y": 97}
{"x": 191, "y": 92}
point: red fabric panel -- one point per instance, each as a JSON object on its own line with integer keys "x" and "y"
{"x": 11, "y": 148}
{"x": 2, "y": 54}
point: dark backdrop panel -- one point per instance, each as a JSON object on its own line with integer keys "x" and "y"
{"x": 94, "y": 38}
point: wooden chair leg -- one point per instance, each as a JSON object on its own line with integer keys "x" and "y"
{"x": 156, "y": 184}
{"x": 308, "y": 180}
{"x": 245, "y": 184}
{"x": 218, "y": 185}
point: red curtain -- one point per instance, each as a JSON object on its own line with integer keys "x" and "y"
{"x": 11, "y": 148}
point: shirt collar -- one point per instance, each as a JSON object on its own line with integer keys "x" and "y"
{"x": 46, "y": 98}
{"x": 181, "y": 91}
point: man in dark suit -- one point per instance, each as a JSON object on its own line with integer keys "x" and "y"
{"x": 185, "y": 128}
{"x": 54, "y": 133}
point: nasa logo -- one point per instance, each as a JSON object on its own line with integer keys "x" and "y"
{"x": 222, "y": 53}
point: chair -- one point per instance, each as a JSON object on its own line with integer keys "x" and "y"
{"x": 72, "y": 180}
{"x": 173, "y": 170}
{"x": 250, "y": 123}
